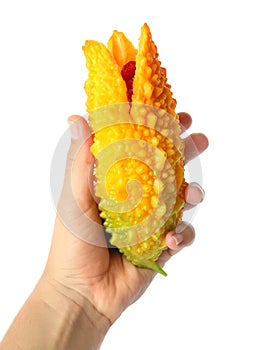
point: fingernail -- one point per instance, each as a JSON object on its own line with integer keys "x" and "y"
{"x": 176, "y": 238}
{"x": 196, "y": 195}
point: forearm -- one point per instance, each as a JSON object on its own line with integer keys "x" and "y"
{"x": 55, "y": 317}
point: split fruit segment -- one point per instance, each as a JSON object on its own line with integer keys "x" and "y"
{"x": 139, "y": 153}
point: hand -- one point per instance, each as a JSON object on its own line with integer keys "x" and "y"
{"x": 79, "y": 259}
{"x": 85, "y": 285}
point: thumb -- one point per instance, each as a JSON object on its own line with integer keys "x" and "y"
{"x": 77, "y": 208}
{"x": 79, "y": 165}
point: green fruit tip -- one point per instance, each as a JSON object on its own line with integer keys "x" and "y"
{"x": 155, "y": 267}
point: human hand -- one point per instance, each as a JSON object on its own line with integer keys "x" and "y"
{"x": 79, "y": 259}
{"x": 86, "y": 286}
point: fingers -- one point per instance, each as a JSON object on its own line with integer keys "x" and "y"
{"x": 185, "y": 120}
{"x": 176, "y": 240}
{"x": 195, "y": 144}
{"x": 183, "y": 236}
{"x": 194, "y": 195}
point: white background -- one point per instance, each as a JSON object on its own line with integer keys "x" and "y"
{"x": 206, "y": 300}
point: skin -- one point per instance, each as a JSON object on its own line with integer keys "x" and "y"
{"x": 85, "y": 287}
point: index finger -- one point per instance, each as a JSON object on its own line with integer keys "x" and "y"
{"x": 185, "y": 121}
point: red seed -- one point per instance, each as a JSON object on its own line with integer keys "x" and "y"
{"x": 127, "y": 73}
{"x": 128, "y": 70}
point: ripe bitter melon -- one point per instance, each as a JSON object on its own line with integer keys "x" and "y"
{"x": 137, "y": 145}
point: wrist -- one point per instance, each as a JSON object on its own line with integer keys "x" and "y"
{"x": 75, "y": 321}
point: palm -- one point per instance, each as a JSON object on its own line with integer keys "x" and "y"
{"x": 119, "y": 285}
{"x": 100, "y": 274}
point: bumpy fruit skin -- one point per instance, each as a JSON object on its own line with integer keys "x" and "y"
{"x": 105, "y": 85}
{"x": 153, "y": 159}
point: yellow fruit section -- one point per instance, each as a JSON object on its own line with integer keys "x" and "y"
{"x": 140, "y": 162}
{"x": 121, "y": 48}
{"x": 150, "y": 82}
{"x": 104, "y": 85}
